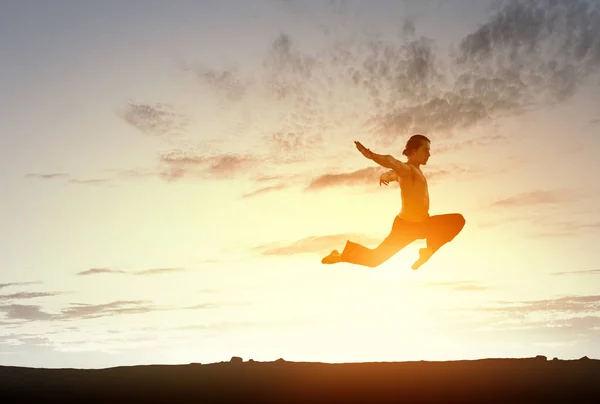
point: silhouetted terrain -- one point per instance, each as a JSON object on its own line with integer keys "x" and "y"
{"x": 486, "y": 380}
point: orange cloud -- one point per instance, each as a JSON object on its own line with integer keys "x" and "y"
{"x": 314, "y": 244}
{"x": 535, "y": 198}
{"x": 365, "y": 176}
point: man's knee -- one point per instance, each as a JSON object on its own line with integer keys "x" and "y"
{"x": 458, "y": 223}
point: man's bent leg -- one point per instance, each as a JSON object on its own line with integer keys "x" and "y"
{"x": 399, "y": 237}
{"x": 441, "y": 229}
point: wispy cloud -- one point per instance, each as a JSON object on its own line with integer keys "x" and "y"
{"x": 86, "y": 311}
{"x": 180, "y": 163}
{"x": 533, "y": 198}
{"x": 114, "y": 176}
{"x": 49, "y": 176}
{"x": 156, "y": 271}
{"x": 6, "y": 285}
{"x": 144, "y": 272}
{"x": 586, "y": 272}
{"x": 95, "y": 271}
{"x": 365, "y": 176}
{"x": 228, "y": 81}
{"x": 314, "y": 244}
{"x": 459, "y": 285}
{"x": 154, "y": 119}
{"x": 567, "y": 304}
{"x": 27, "y": 295}
{"x": 265, "y": 190}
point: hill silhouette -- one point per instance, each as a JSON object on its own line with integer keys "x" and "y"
{"x": 485, "y": 380}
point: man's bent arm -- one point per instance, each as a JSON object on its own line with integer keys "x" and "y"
{"x": 388, "y": 161}
{"x": 389, "y": 176}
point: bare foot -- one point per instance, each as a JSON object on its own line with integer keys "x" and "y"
{"x": 424, "y": 255}
{"x": 332, "y": 258}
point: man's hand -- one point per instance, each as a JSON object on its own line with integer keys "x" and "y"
{"x": 388, "y": 177}
{"x": 364, "y": 151}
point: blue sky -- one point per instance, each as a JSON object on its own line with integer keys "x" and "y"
{"x": 174, "y": 171}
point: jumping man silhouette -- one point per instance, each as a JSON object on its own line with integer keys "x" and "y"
{"x": 413, "y": 222}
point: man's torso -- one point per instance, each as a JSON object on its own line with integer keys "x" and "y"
{"x": 415, "y": 197}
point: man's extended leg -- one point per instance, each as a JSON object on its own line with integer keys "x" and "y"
{"x": 400, "y": 236}
{"x": 440, "y": 230}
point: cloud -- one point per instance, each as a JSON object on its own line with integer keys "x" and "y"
{"x": 586, "y": 272}
{"x": 86, "y": 311}
{"x": 90, "y": 181}
{"x": 79, "y": 310}
{"x": 528, "y": 54}
{"x": 50, "y": 176}
{"x": 155, "y": 271}
{"x": 228, "y": 82}
{"x": 154, "y": 119}
{"x": 314, "y": 244}
{"x": 95, "y": 271}
{"x": 542, "y": 49}
{"x": 540, "y": 197}
{"x": 554, "y": 228}
{"x": 567, "y": 304}
{"x": 264, "y": 190}
{"x": 24, "y": 312}
{"x": 6, "y": 285}
{"x": 365, "y": 176}
{"x": 459, "y": 285}
{"x": 221, "y": 166}
{"x": 116, "y": 174}
{"x": 27, "y": 295}
{"x": 144, "y": 272}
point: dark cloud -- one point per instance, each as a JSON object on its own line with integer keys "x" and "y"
{"x": 154, "y": 119}
{"x": 314, "y": 244}
{"x": 533, "y": 198}
{"x": 595, "y": 121}
{"x": 365, "y": 176}
{"x": 24, "y": 312}
{"x": 586, "y": 272}
{"x": 528, "y": 54}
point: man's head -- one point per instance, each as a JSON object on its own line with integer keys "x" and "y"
{"x": 417, "y": 149}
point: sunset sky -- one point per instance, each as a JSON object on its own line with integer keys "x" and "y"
{"x": 173, "y": 173}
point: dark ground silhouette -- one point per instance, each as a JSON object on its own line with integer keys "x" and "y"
{"x": 486, "y": 380}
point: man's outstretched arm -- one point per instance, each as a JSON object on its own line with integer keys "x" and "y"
{"x": 385, "y": 160}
